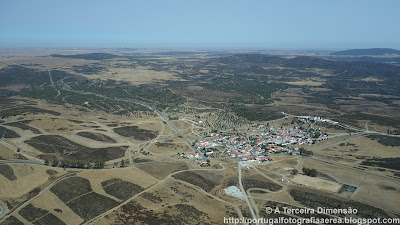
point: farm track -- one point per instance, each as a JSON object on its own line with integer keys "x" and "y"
{"x": 23, "y": 204}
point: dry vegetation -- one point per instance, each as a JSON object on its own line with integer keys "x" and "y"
{"x": 39, "y": 120}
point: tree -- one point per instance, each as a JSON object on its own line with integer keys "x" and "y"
{"x": 89, "y": 165}
{"x": 55, "y": 162}
{"x": 65, "y": 163}
{"x": 313, "y": 173}
{"x": 122, "y": 163}
{"x": 303, "y": 151}
{"x": 80, "y": 164}
{"x": 46, "y": 162}
{"x": 310, "y": 172}
{"x": 306, "y": 171}
{"x": 295, "y": 172}
{"x": 99, "y": 164}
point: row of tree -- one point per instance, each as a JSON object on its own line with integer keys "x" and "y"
{"x": 66, "y": 163}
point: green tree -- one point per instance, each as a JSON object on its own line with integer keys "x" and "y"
{"x": 99, "y": 164}
{"x": 89, "y": 165}
{"x": 55, "y": 162}
{"x": 313, "y": 173}
{"x": 306, "y": 171}
{"x": 80, "y": 164}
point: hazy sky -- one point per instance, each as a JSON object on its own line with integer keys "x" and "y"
{"x": 316, "y": 24}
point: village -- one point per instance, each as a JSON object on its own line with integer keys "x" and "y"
{"x": 258, "y": 144}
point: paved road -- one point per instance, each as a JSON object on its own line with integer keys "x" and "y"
{"x": 3, "y": 209}
{"x": 20, "y": 161}
{"x": 338, "y": 141}
{"x": 15, "y": 149}
{"x": 152, "y": 162}
{"x": 147, "y": 105}
{"x": 244, "y": 192}
{"x": 358, "y": 169}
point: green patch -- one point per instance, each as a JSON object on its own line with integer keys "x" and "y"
{"x": 121, "y": 189}
{"x": 39, "y": 216}
{"x": 49, "y": 219}
{"x": 23, "y": 126}
{"x": 352, "y": 118}
{"x": 78, "y": 195}
{"x": 262, "y": 182}
{"x": 12, "y": 221}
{"x": 71, "y": 150}
{"x": 255, "y": 114}
{"x": 314, "y": 200}
{"x": 179, "y": 214}
{"x": 251, "y": 91}
{"x": 88, "y": 56}
{"x": 386, "y": 140}
{"x": 203, "y": 179}
{"x": 23, "y": 109}
{"x": 97, "y": 137}
{"x": 7, "y": 172}
{"x": 7, "y": 133}
{"x": 71, "y": 188}
{"x": 136, "y": 133}
{"x": 390, "y": 163}
{"x": 91, "y": 205}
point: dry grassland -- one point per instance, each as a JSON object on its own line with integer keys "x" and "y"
{"x": 28, "y": 177}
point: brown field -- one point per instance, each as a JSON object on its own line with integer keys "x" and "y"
{"x": 28, "y": 178}
{"x": 177, "y": 202}
{"x": 137, "y": 76}
{"x": 161, "y": 170}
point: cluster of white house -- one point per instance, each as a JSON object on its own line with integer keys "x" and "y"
{"x": 254, "y": 146}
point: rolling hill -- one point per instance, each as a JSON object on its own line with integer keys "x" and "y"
{"x": 369, "y": 51}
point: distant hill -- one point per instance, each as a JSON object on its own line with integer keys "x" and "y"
{"x": 369, "y": 51}
{"x": 87, "y": 56}
{"x": 256, "y": 63}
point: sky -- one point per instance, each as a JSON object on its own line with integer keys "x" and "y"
{"x": 264, "y": 24}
